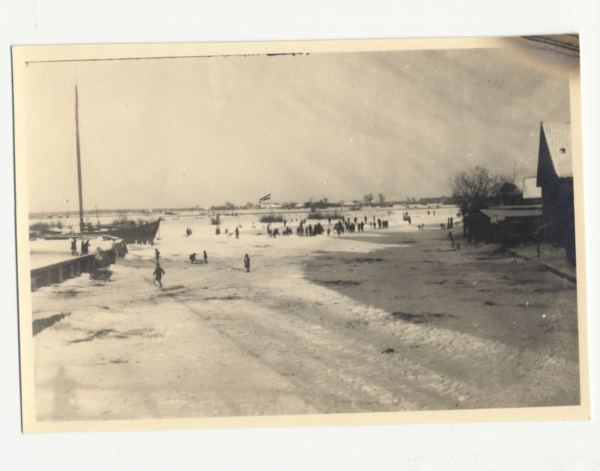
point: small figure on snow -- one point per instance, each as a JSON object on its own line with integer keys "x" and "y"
{"x": 157, "y": 276}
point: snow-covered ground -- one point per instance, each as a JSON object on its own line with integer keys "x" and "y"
{"x": 320, "y": 325}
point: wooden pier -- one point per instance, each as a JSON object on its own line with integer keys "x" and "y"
{"x": 59, "y": 272}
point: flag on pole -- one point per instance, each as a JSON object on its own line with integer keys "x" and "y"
{"x": 265, "y": 198}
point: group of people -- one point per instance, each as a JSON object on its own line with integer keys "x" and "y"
{"x": 342, "y": 225}
{"x": 309, "y": 230}
{"x": 237, "y": 231}
{"x": 193, "y": 258}
{"x": 85, "y": 246}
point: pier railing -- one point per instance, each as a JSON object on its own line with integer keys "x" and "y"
{"x": 59, "y": 272}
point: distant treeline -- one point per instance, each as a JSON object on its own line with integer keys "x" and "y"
{"x": 312, "y": 205}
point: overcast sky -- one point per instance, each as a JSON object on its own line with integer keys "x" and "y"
{"x": 201, "y": 131}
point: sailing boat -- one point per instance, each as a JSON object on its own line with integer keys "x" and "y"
{"x": 130, "y": 233}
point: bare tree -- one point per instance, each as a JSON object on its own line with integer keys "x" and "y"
{"x": 473, "y": 190}
{"x": 476, "y": 188}
{"x": 368, "y": 199}
{"x": 381, "y": 198}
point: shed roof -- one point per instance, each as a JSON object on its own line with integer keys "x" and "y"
{"x": 497, "y": 214}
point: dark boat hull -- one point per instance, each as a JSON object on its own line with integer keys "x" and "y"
{"x": 142, "y": 234}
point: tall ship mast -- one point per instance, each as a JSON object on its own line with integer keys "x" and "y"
{"x": 129, "y": 231}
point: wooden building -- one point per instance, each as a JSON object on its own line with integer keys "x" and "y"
{"x": 555, "y": 178}
{"x": 508, "y": 225}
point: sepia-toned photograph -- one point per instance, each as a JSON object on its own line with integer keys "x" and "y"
{"x": 300, "y": 233}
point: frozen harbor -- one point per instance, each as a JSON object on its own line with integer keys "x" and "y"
{"x": 385, "y": 320}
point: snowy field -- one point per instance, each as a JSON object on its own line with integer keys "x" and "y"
{"x": 386, "y": 320}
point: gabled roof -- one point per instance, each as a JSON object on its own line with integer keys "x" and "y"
{"x": 555, "y": 152}
{"x": 530, "y": 188}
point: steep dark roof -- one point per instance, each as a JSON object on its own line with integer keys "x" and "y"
{"x": 554, "y": 158}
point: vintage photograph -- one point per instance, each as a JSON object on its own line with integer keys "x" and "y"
{"x": 300, "y": 233}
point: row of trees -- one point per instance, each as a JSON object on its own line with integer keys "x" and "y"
{"x": 368, "y": 199}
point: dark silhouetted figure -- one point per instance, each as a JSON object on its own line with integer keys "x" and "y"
{"x": 247, "y": 263}
{"x": 237, "y": 233}
{"x": 193, "y": 258}
{"x": 158, "y": 273}
{"x": 205, "y": 257}
{"x": 218, "y": 231}
{"x": 157, "y": 256}
{"x": 74, "y": 247}
{"x": 85, "y": 247}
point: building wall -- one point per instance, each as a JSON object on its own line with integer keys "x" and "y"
{"x": 558, "y": 213}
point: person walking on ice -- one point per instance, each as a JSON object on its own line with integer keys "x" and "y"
{"x": 74, "y": 247}
{"x": 237, "y": 233}
{"x": 205, "y": 257}
{"x": 247, "y": 263}
{"x": 157, "y": 275}
{"x": 157, "y": 256}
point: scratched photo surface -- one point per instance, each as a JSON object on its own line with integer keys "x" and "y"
{"x": 285, "y": 235}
